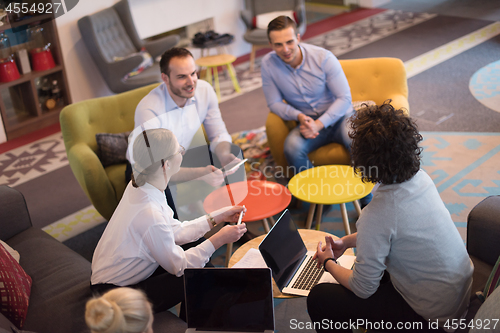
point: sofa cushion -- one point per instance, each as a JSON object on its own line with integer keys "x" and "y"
{"x": 61, "y": 283}
{"x": 15, "y": 287}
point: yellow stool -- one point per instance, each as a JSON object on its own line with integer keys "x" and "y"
{"x": 212, "y": 62}
{"x": 329, "y": 185}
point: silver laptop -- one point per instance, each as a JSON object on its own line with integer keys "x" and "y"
{"x": 284, "y": 252}
{"x": 238, "y": 300}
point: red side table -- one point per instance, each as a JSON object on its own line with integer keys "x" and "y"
{"x": 262, "y": 198}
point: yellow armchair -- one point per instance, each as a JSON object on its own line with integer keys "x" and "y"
{"x": 375, "y": 79}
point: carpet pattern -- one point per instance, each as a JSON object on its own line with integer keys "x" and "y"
{"x": 22, "y": 164}
{"x": 484, "y": 85}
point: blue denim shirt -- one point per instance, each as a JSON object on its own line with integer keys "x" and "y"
{"x": 318, "y": 87}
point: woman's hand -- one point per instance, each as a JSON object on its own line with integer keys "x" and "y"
{"x": 324, "y": 252}
{"x": 228, "y": 234}
{"x": 338, "y": 247}
{"x": 228, "y": 214}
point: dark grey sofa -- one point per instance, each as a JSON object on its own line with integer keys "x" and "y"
{"x": 483, "y": 245}
{"x": 61, "y": 277}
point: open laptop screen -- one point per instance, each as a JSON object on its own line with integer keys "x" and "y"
{"x": 283, "y": 249}
{"x": 229, "y": 299}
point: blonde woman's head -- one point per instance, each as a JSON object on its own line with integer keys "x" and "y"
{"x": 152, "y": 148}
{"x": 120, "y": 310}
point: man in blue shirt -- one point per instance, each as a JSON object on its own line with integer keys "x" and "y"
{"x": 305, "y": 83}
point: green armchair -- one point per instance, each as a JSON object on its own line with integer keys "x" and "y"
{"x": 375, "y": 79}
{"x": 104, "y": 186}
{"x": 80, "y": 122}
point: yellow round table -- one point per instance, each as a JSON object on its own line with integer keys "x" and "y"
{"x": 212, "y": 62}
{"x": 329, "y": 185}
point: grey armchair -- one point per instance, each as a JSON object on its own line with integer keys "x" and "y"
{"x": 258, "y": 37}
{"x": 111, "y": 33}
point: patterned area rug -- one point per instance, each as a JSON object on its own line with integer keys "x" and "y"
{"x": 484, "y": 86}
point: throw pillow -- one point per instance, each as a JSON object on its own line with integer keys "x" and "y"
{"x": 12, "y": 252}
{"x": 15, "y": 289}
{"x": 262, "y": 20}
{"x": 147, "y": 61}
{"x": 112, "y": 148}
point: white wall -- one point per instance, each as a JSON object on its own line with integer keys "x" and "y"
{"x": 151, "y": 17}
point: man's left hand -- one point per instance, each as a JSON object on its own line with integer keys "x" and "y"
{"x": 310, "y": 129}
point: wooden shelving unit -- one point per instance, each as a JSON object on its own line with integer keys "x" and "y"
{"x": 20, "y": 107}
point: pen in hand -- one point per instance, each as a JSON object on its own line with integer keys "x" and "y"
{"x": 240, "y": 217}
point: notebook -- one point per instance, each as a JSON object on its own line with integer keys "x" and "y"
{"x": 292, "y": 266}
{"x": 229, "y": 300}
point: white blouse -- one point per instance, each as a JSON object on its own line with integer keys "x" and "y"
{"x": 142, "y": 234}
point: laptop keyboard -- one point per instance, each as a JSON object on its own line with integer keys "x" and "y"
{"x": 309, "y": 276}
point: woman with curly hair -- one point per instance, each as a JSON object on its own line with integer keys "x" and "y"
{"x": 412, "y": 270}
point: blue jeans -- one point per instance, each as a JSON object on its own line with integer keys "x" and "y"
{"x": 297, "y": 147}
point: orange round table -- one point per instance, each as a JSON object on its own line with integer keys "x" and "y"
{"x": 262, "y": 198}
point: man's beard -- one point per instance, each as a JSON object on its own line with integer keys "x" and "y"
{"x": 180, "y": 92}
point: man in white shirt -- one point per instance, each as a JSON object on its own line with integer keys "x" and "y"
{"x": 181, "y": 104}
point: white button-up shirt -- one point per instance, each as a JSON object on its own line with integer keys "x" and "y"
{"x": 158, "y": 110}
{"x": 141, "y": 235}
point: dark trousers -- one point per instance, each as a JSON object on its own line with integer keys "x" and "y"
{"x": 333, "y": 307}
{"x": 164, "y": 290}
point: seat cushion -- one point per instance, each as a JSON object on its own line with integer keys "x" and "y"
{"x": 149, "y": 75}
{"x": 61, "y": 283}
{"x": 256, "y": 36}
{"x": 116, "y": 175}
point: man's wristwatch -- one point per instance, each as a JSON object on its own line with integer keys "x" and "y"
{"x": 211, "y": 220}
{"x": 326, "y": 260}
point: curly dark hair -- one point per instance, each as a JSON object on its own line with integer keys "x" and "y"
{"x": 384, "y": 144}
